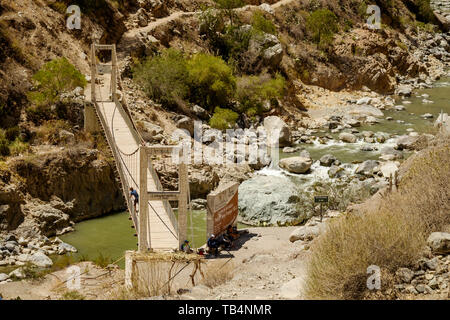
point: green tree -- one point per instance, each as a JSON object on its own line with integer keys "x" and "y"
{"x": 322, "y": 24}
{"x": 165, "y": 78}
{"x": 54, "y": 78}
{"x": 212, "y": 80}
{"x": 254, "y": 91}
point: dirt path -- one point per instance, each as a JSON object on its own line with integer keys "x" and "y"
{"x": 132, "y": 33}
{"x": 267, "y": 266}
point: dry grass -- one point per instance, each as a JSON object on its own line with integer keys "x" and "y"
{"x": 390, "y": 236}
{"x": 216, "y": 273}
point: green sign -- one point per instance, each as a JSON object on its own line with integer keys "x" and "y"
{"x": 321, "y": 199}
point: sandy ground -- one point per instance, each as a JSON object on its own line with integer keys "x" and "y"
{"x": 265, "y": 265}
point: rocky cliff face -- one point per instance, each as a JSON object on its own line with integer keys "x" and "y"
{"x": 47, "y": 193}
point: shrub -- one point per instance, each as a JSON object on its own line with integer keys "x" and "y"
{"x": 253, "y": 91}
{"x": 390, "y": 234}
{"x": 217, "y": 273}
{"x": 223, "y": 119}
{"x": 322, "y": 24}
{"x": 212, "y": 80}
{"x": 164, "y": 78}
{"x": 18, "y": 147}
{"x": 424, "y": 11}
{"x": 54, "y": 78}
{"x": 4, "y": 144}
{"x": 261, "y": 24}
{"x": 58, "y": 6}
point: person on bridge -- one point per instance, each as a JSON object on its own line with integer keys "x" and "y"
{"x": 133, "y": 193}
{"x": 186, "y": 247}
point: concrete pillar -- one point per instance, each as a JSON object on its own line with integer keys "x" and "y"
{"x": 182, "y": 203}
{"x": 144, "y": 244}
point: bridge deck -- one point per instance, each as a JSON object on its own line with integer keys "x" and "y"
{"x": 162, "y": 233}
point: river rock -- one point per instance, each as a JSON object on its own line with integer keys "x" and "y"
{"x": 405, "y": 142}
{"x": 198, "y": 204}
{"x": 277, "y": 131}
{"x": 439, "y": 242}
{"x": 404, "y": 90}
{"x": 427, "y": 116}
{"x": 305, "y": 233}
{"x": 365, "y": 100}
{"x": 269, "y": 200}
{"x": 65, "y": 247}
{"x": 41, "y": 260}
{"x": 367, "y": 167}
{"x": 18, "y": 273}
{"x": 3, "y": 277}
{"x": 336, "y": 172}
{"x": 327, "y": 160}
{"x": 347, "y": 137}
{"x": 296, "y": 164}
{"x": 361, "y": 112}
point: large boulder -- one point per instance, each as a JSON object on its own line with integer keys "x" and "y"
{"x": 264, "y": 50}
{"x": 327, "y": 160}
{"x": 347, "y": 137}
{"x": 364, "y": 111}
{"x": 269, "y": 200}
{"x": 439, "y": 242}
{"x": 405, "y": 142}
{"x": 41, "y": 260}
{"x": 366, "y": 168}
{"x": 277, "y": 131}
{"x": 296, "y": 164}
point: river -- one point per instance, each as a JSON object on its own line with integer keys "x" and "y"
{"x": 112, "y": 235}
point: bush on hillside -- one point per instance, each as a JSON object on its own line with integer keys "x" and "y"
{"x": 164, "y": 78}
{"x": 391, "y": 234}
{"x": 212, "y": 80}
{"x": 54, "y": 78}
{"x": 322, "y": 24}
{"x": 223, "y": 119}
{"x": 254, "y": 91}
{"x": 261, "y": 24}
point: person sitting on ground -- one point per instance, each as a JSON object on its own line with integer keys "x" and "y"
{"x": 185, "y": 247}
{"x": 213, "y": 245}
{"x": 225, "y": 242}
{"x": 133, "y": 193}
{"x": 232, "y": 233}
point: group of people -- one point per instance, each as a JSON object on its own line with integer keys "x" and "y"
{"x": 224, "y": 241}
{"x": 214, "y": 243}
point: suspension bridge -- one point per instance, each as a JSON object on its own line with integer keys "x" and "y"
{"x": 156, "y": 226}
